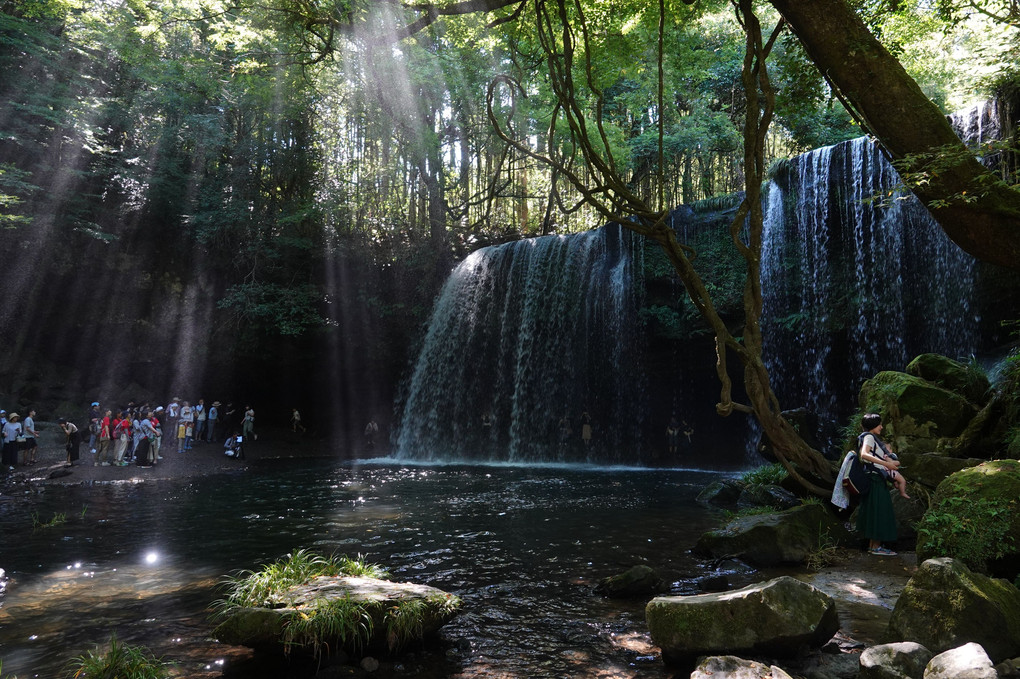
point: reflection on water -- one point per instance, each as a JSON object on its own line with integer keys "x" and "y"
{"x": 523, "y": 547}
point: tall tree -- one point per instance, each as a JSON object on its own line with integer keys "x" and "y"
{"x": 978, "y": 211}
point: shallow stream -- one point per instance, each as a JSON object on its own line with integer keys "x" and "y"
{"x": 523, "y": 547}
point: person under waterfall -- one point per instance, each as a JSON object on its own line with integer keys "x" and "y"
{"x": 673, "y": 436}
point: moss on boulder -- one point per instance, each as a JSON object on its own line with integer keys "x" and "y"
{"x": 931, "y": 469}
{"x": 951, "y": 375}
{"x": 776, "y": 618}
{"x": 946, "y": 605}
{"x": 916, "y": 413}
{"x": 975, "y": 517}
{"x": 775, "y": 538}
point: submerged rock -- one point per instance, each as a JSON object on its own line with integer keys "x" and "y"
{"x": 640, "y": 580}
{"x": 945, "y": 605}
{"x": 775, "y": 618}
{"x": 394, "y": 613}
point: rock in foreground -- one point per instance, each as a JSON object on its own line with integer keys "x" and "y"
{"x": 945, "y": 605}
{"x": 775, "y": 618}
{"x": 371, "y": 613}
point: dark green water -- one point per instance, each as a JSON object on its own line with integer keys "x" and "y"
{"x": 523, "y": 547}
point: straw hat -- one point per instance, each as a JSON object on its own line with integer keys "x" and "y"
{"x": 216, "y": 403}
{"x": 13, "y": 416}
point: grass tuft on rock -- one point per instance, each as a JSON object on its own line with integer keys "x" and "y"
{"x": 328, "y": 625}
{"x": 265, "y": 587}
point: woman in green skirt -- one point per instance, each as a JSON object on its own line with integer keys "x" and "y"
{"x": 875, "y": 517}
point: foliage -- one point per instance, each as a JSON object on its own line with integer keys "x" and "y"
{"x": 329, "y": 624}
{"x": 766, "y": 475}
{"x": 59, "y": 519}
{"x": 664, "y": 318}
{"x": 272, "y": 307}
{"x": 923, "y": 168}
{"x": 404, "y": 622}
{"x": 263, "y": 587}
{"x": 120, "y": 661}
{"x": 341, "y": 621}
{"x": 974, "y": 530}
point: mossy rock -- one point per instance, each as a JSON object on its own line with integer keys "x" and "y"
{"x": 916, "y": 413}
{"x": 951, "y": 375}
{"x": 775, "y": 538}
{"x": 381, "y": 602}
{"x": 975, "y": 517}
{"x": 931, "y": 469}
{"x": 945, "y": 605}
{"x": 776, "y": 618}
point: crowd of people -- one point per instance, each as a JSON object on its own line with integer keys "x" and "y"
{"x": 132, "y": 434}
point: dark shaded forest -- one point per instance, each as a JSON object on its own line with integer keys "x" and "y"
{"x": 260, "y": 202}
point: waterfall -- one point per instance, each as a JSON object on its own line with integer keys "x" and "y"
{"x": 856, "y": 278}
{"x": 524, "y": 337}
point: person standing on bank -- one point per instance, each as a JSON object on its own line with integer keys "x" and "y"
{"x": 30, "y": 435}
{"x": 12, "y": 432}
{"x": 73, "y": 442}
{"x": 876, "y": 519}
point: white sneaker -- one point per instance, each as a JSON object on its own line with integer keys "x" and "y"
{"x": 105, "y": 464}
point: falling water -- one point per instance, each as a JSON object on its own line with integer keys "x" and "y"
{"x": 856, "y": 277}
{"x": 524, "y": 337}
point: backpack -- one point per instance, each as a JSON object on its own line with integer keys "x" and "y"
{"x": 857, "y": 483}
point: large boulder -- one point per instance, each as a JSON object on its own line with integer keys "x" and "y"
{"x": 930, "y": 469}
{"x": 945, "y": 605}
{"x": 264, "y": 628}
{"x": 916, "y": 413}
{"x": 952, "y": 375}
{"x": 902, "y": 660}
{"x": 775, "y": 618}
{"x": 966, "y": 662}
{"x": 774, "y": 538}
{"x": 975, "y": 517}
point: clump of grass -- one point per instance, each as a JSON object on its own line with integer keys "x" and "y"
{"x": 766, "y": 475}
{"x": 343, "y": 622}
{"x": 266, "y": 586}
{"x": 58, "y": 519}
{"x": 330, "y": 624}
{"x": 359, "y": 568}
{"x": 120, "y": 661}
{"x": 405, "y": 622}
{"x": 825, "y": 554}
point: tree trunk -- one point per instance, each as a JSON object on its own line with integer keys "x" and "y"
{"x": 979, "y": 214}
